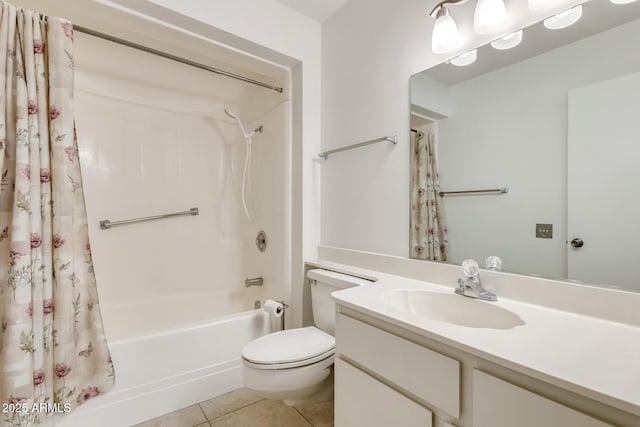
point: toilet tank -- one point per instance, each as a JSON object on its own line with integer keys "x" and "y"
{"x": 323, "y": 283}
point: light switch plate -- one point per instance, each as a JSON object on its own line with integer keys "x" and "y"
{"x": 544, "y": 231}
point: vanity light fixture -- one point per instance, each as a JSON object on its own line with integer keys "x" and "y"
{"x": 467, "y": 58}
{"x": 622, "y": 1}
{"x": 445, "y": 37}
{"x": 489, "y": 16}
{"x": 541, "y": 4}
{"x": 564, "y": 19}
{"x": 507, "y": 42}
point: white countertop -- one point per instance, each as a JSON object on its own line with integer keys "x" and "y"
{"x": 596, "y": 358}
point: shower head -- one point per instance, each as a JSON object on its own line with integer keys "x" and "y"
{"x": 235, "y": 117}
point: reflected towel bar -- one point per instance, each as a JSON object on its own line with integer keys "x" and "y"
{"x": 392, "y": 139}
{"x": 461, "y": 193}
{"x": 105, "y": 224}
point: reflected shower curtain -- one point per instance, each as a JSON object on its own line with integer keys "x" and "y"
{"x": 428, "y": 225}
{"x": 53, "y": 351}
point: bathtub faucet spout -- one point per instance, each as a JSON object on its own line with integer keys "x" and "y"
{"x": 256, "y": 281}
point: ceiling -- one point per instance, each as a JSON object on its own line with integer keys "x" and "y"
{"x": 318, "y": 10}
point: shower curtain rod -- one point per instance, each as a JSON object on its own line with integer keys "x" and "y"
{"x": 174, "y": 58}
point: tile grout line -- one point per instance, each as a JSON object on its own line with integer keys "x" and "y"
{"x": 205, "y": 415}
{"x": 231, "y": 412}
{"x": 305, "y": 418}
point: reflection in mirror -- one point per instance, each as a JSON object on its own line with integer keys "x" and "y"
{"x": 554, "y": 120}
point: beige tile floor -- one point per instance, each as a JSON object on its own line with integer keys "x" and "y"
{"x": 243, "y": 408}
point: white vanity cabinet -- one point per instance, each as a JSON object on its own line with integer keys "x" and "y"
{"x": 497, "y": 403}
{"x": 361, "y": 400}
{"x": 397, "y": 363}
{"x": 426, "y": 374}
{"x": 384, "y": 379}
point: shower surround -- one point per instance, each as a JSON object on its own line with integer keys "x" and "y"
{"x": 153, "y": 138}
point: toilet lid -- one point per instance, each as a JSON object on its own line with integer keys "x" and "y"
{"x": 289, "y": 346}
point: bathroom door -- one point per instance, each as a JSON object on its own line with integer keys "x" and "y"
{"x": 603, "y": 241}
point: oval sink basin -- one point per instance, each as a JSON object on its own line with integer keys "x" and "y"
{"x": 452, "y": 308}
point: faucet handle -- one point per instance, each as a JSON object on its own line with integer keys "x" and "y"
{"x": 493, "y": 263}
{"x": 470, "y": 268}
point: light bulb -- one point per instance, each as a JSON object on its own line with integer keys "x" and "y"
{"x": 508, "y": 41}
{"x": 489, "y": 16}
{"x": 564, "y": 19}
{"x": 622, "y": 1}
{"x": 541, "y": 4}
{"x": 445, "y": 37}
{"x": 467, "y": 58}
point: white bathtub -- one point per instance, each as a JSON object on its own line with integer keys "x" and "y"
{"x": 161, "y": 372}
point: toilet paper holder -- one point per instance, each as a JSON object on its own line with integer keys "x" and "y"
{"x": 257, "y": 305}
{"x": 284, "y": 312}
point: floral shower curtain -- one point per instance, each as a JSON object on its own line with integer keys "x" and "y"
{"x": 428, "y": 225}
{"x": 53, "y": 351}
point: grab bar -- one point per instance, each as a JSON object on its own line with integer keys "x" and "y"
{"x": 106, "y": 224}
{"x": 462, "y": 193}
{"x": 392, "y": 139}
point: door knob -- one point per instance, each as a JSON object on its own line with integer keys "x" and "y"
{"x": 577, "y": 243}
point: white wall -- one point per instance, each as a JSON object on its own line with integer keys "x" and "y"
{"x": 430, "y": 97}
{"x": 519, "y": 140}
{"x": 369, "y": 50}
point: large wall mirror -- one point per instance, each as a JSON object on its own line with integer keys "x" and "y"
{"x": 556, "y": 121}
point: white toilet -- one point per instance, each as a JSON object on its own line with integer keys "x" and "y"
{"x": 295, "y": 365}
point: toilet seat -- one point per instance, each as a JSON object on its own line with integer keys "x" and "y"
{"x": 292, "y": 348}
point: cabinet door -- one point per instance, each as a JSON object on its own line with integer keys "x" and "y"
{"x": 497, "y": 403}
{"x": 361, "y": 400}
{"x": 428, "y": 375}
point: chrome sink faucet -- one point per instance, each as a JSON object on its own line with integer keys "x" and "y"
{"x": 471, "y": 286}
